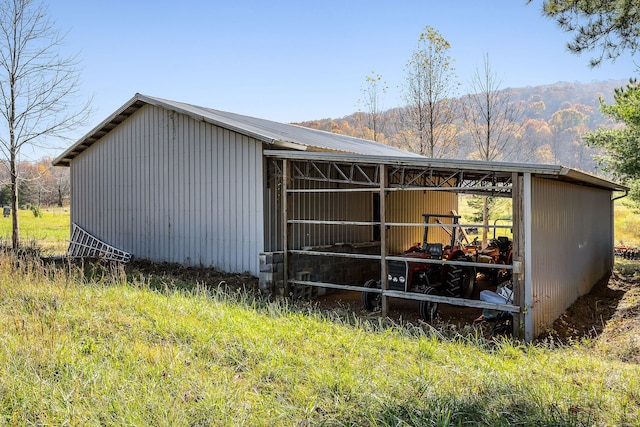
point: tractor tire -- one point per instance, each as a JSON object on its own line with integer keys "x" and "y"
{"x": 459, "y": 282}
{"x": 453, "y": 281}
{"x": 429, "y": 309}
{"x": 468, "y": 283}
{"x": 371, "y": 300}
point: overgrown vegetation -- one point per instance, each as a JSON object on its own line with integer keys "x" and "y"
{"x": 101, "y": 345}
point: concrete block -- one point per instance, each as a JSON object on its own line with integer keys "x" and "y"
{"x": 271, "y": 277}
{"x": 266, "y": 258}
{"x": 266, "y": 268}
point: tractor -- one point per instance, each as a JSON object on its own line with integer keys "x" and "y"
{"x": 498, "y": 251}
{"x": 442, "y": 279}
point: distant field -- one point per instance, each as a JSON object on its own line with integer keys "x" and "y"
{"x": 627, "y": 226}
{"x": 50, "y": 230}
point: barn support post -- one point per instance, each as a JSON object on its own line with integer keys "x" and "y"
{"x": 384, "y": 281}
{"x": 518, "y": 252}
{"x": 528, "y": 278}
{"x": 285, "y": 226}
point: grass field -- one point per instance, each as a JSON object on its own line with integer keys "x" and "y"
{"x": 627, "y": 223}
{"x": 87, "y": 345}
{"x": 100, "y": 345}
{"x": 49, "y": 231}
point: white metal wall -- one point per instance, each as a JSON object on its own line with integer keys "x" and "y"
{"x": 571, "y": 245}
{"x": 168, "y": 188}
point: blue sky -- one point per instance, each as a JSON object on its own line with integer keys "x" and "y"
{"x": 291, "y": 61}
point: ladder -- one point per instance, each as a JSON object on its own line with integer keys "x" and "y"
{"x": 85, "y": 245}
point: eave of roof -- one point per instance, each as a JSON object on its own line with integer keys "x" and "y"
{"x": 280, "y": 135}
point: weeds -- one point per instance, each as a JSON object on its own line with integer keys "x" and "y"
{"x": 97, "y": 344}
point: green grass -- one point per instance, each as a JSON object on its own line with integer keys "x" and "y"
{"x": 91, "y": 346}
{"x": 627, "y": 225}
{"x": 50, "y": 230}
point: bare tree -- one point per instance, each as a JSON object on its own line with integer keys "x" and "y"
{"x": 430, "y": 85}
{"x": 373, "y": 92}
{"x": 492, "y": 120}
{"x": 38, "y": 87}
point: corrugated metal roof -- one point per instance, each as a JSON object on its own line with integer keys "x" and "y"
{"x": 278, "y": 134}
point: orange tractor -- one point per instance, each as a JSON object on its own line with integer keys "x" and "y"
{"x": 498, "y": 251}
{"x": 451, "y": 280}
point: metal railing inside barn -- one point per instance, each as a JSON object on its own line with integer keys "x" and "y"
{"x": 332, "y": 222}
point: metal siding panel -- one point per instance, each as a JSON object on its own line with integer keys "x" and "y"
{"x": 258, "y": 210}
{"x": 571, "y": 243}
{"x": 226, "y": 212}
{"x": 220, "y": 243}
{"x": 169, "y": 188}
{"x": 234, "y": 187}
{"x": 408, "y": 207}
{"x": 181, "y": 217}
{"x": 244, "y": 208}
{"x": 323, "y": 206}
{"x": 204, "y": 182}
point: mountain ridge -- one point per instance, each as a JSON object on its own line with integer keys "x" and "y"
{"x": 555, "y": 118}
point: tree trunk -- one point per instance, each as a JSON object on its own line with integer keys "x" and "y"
{"x": 485, "y": 220}
{"x": 15, "y": 235}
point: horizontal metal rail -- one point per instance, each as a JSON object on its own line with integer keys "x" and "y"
{"x": 390, "y": 224}
{"x": 401, "y": 258}
{"x": 460, "y": 302}
{"x": 331, "y": 286}
{"x": 390, "y": 189}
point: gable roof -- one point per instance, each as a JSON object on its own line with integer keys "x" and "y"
{"x": 272, "y": 133}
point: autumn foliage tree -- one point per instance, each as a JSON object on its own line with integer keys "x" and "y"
{"x": 41, "y": 184}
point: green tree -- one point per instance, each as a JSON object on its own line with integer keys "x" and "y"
{"x": 428, "y": 90}
{"x": 38, "y": 88}
{"x": 622, "y": 146}
{"x": 608, "y": 27}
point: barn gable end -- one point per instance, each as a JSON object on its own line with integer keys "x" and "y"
{"x": 166, "y": 187}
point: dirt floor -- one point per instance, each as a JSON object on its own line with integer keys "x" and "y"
{"x": 609, "y": 313}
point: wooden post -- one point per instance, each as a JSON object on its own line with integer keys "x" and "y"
{"x": 285, "y": 226}
{"x": 384, "y": 281}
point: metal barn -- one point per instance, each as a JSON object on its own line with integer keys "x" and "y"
{"x": 305, "y": 209}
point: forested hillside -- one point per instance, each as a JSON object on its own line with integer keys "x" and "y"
{"x": 554, "y": 119}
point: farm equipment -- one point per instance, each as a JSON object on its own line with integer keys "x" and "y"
{"x": 627, "y": 252}
{"x": 498, "y": 251}
{"x": 450, "y": 280}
